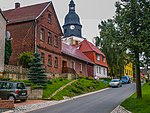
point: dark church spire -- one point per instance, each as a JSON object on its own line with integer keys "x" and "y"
{"x": 72, "y": 26}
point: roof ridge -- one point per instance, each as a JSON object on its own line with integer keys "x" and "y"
{"x": 3, "y": 15}
{"x": 28, "y": 6}
{"x": 89, "y": 44}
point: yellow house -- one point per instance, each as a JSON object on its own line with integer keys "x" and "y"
{"x": 128, "y": 69}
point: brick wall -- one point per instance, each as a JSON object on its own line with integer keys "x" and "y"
{"x": 6, "y": 103}
{"x": 22, "y": 35}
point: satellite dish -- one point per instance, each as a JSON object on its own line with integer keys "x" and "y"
{"x": 7, "y": 35}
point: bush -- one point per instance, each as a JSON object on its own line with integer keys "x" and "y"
{"x": 5, "y": 79}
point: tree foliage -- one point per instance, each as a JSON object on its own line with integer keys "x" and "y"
{"x": 37, "y": 71}
{"x": 8, "y": 50}
{"x": 25, "y": 58}
{"x": 114, "y": 51}
{"x": 133, "y": 24}
{"x": 130, "y": 29}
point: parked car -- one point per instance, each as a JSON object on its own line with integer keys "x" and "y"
{"x": 115, "y": 83}
{"x": 126, "y": 79}
{"x": 13, "y": 91}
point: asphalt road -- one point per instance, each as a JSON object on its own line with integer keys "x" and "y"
{"x": 102, "y": 102}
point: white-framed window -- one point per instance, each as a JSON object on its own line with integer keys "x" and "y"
{"x": 98, "y": 57}
{"x": 81, "y": 67}
{"x": 56, "y": 62}
{"x": 99, "y": 70}
{"x": 42, "y": 34}
{"x": 56, "y": 41}
{"x": 72, "y": 64}
{"x": 49, "y": 60}
{"x": 104, "y": 71}
{"x": 49, "y": 38}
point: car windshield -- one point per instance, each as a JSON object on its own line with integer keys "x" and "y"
{"x": 115, "y": 80}
{"x": 123, "y": 78}
{"x": 20, "y": 86}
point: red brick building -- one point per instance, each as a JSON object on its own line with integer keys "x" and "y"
{"x": 34, "y": 28}
{"x": 74, "y": 59}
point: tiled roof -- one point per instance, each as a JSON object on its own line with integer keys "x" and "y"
{"x": 90, "y": 47}
{"x": 25, "y": 13}
{"x": 74, "y": 52}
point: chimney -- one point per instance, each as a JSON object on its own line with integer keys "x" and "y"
{"x": 17, "y": 5}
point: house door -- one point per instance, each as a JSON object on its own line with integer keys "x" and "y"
{"x": 64, "y": 63}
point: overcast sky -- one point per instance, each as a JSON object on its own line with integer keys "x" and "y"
{"x": 91, "y": 12}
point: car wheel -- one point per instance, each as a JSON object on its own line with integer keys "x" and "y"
{"x": 23, "y": 100}
{"x": 11, "y": 98}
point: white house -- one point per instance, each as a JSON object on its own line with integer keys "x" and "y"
{"x": 2, "y": 41}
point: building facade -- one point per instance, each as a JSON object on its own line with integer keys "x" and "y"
{"x": 128, "y": 70}
{"x": 73, "y": 36}
{"x": 2, "y": 41}
{"x": 36, "y": 28}
{"x": 74, "y": 59}
{"x": 96, "y": 56}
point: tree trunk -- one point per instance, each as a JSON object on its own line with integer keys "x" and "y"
{"x": 138, "y": 80}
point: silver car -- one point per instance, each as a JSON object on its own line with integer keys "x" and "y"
{"x": 115, "y": 83}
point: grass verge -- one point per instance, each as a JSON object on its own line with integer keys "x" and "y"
{"x": 81, "y": 86}
{"x": 54, "y": 85}
{"x": 139, "y": 105}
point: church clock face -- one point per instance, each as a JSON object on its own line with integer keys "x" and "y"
{"x": 72, "y": 27}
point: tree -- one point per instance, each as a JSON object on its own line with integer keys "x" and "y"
{"x": 36, "y": 71}
{"x": 8, "y": 50}
{"x": 133, "y": 23}
{"x": 115, "y": 53}
{"x": 25, "y": 58}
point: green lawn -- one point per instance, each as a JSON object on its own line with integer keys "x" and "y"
{"x": 54, "y": 85}
{"x": 81, "y": 86}
{"x": 139, "y": 105}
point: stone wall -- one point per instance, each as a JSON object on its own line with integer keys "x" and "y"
{"x": 35, "y": 93}
{"x": 16, "y": 72}
{"x": 6, "y": 104}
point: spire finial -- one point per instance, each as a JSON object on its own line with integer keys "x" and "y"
{"x": 71, "y": 6}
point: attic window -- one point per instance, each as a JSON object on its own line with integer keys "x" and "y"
{"x": 49, "y": 18}
{"x": 98, "y": 57}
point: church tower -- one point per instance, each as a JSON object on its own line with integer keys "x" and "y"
{"x": 72, "y": 27}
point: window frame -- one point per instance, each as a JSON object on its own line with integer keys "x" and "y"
{"x": 56, "y": 41}
{"x": 56, "y": 62}
{"x": 50, "y": 59}
{"x": 50, "y": 41}
{"x": 42, "y": 34}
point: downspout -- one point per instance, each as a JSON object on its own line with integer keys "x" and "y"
{"x": 35, "y": 35}
{"x": 87, "y": 69}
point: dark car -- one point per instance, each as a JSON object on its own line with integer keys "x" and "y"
{"x": 13, "y": 91}
{"x": 126, "y": 79}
